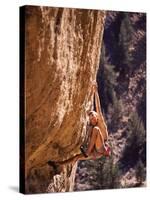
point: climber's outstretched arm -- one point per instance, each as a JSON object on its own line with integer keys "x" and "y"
{"x": 96, "y": 95}
{"x": 93, "y": 139}
{"x": 97, "y": 102}
{"x": 101, "y": 122}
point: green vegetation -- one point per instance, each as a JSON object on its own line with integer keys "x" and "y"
{"x": 107, "y": 174}
{"x": 140, "y": 172}
{"x": 125, "y": 42}
{"x": 109, "y": 99}
{"x": 135, "y": 148}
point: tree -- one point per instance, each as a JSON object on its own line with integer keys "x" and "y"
{"x": 125, "y": 41}
{"x": 107, "y": 80}
{"x": 108, "y": 174}
{"x": 140, "y": 172}
{"x": 115, "y": 113}
{"x": 135, "y": 148}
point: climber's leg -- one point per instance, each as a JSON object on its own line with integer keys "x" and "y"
{"x": 70, "y": 160}
{"x": 92, "y": 140}
{"x": 101, "y": 146}
{"x": 74, "y": 159}
{"x": 97, "y": 147}
{"x": 94, "y": 155}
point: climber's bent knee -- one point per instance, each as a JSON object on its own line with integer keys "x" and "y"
{"x": 96, "y": 129}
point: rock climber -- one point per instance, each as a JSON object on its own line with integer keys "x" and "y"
{"x": 97, "y": 135}
{"x": 97, "y": 130}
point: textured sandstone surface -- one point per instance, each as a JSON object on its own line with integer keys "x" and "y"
{"x": 62, "y": 48}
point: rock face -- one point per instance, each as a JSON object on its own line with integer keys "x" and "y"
{"x": 62, "y": 51}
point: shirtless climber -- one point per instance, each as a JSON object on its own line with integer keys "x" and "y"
{"x": 99, "y": 135}
{"x": 97, "y": 132}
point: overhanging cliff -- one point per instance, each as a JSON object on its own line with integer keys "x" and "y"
{"x": 62, "y": 51}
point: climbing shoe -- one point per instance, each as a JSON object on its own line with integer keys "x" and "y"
{"x": 83, "y": 151}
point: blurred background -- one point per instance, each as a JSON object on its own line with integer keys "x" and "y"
{"x": 122, "y": 88}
